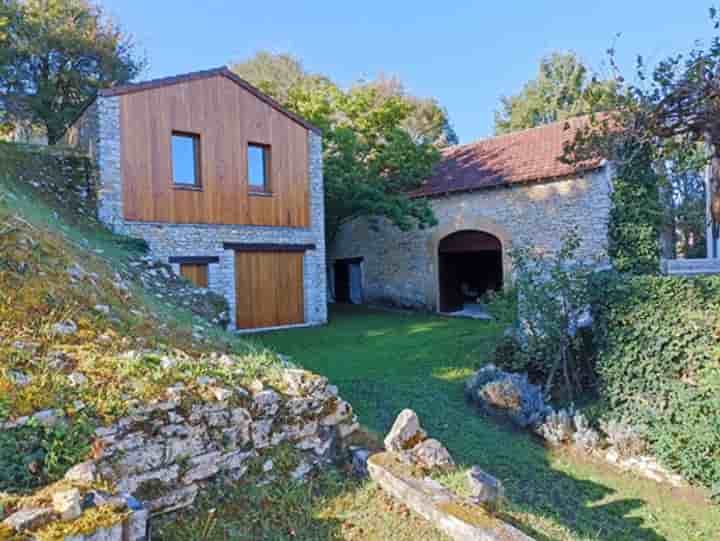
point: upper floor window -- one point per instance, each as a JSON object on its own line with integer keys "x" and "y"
{"x": 258, "y": 163}
{"x": 186, "y": 159}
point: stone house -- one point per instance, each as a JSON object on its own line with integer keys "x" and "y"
{"x": 489, "y": 197}
{"x": 222, "y": 183}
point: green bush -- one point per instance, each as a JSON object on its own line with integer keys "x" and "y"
{"x": 34, "y": 455}
{"x": 658, "y": 347}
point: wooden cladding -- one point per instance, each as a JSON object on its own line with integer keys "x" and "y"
{"x": 269, "y": 289}
{"x": 227, "y": 118}
{"x": 196, "y": 273}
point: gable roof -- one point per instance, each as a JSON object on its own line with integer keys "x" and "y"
{"x": 222, "y": 71}
{"x": 523, "y": 156}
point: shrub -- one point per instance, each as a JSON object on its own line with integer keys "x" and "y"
{"x": 658, "y": 345}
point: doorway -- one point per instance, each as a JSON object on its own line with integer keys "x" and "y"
{"x": 348, "y": 280}
{"x": 470, "y": 264}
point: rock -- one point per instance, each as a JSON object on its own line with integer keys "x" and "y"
{"x": 405, "y": 432}
{"x": 431, "y": 454}
{"x": 268, "y": 466}
{"x": 67, "y": 504}
{"x": 103, "y": 309}
{"x": 267, "y": 403}
{"x": 585, "y": 438}
{"x": 343, "y": 411}
{"x": 168, "y": 363}
{"x": 484, "y": 488}
{"x": 299, "y": 473}
{"x": 82, "y": 473}
{"x": 65, "y": 328}
{"x": 220, "y": 393}
{"x": 558, "y": 428}
{"x": 29, "y": 519}
{"x": 509, "y": 394}
{"x": 48, "y": 417}
{"x": 20, "y": 379}
{"x": 261, "y": 433}
{"x": 205, "y": 380}
{"x": 360, "y": 458}
{"x": 77, "y": 379}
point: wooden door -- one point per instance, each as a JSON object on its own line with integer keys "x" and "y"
{"x": 269, "y": 289}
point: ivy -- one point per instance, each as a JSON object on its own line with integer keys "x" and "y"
{"x": 637, "y": 215}
{"x": 659, "y": 365}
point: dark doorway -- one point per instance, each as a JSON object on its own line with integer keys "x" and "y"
{"x": 348, "y": 280}
{"x": 470, "y": 264}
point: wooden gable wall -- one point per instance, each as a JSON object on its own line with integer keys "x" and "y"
{"x": 227, "y": 118}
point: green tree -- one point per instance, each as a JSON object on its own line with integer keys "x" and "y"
{"x": 55, "y": 55}
{"x": 371, "y": 160}
{"x": 564, "y": 88}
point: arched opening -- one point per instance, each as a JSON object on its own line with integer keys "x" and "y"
{"x": 470, "y": 264}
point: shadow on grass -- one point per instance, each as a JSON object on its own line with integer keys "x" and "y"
{"x": 533, "y": 485}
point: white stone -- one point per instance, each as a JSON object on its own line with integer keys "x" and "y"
{"x": 405, "y": 432}
{"x": 67, "y": 504}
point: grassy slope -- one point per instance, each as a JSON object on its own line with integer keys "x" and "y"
{"x": 384, "y": 362}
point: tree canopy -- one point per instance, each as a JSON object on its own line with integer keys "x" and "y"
{"x": 54, "y": 56}
{"x": 379, "y": 142}
{"x": 563, "y": 88}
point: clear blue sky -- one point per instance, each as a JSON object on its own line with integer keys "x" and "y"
{"x": 465, "y": 54}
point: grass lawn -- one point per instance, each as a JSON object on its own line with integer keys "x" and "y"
{"x": 384, "y": 362}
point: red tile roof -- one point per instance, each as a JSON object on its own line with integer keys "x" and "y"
{"x": 523, "y": 156}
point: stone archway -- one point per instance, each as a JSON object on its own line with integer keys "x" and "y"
{"x": 483, "y": 226}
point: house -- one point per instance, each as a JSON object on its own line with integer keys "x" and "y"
{"x": 489, "y": 197}
{"x": 222, "y": 183}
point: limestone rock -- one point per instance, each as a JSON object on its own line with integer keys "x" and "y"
{"x": 431, "y": 454}
{"x": 484, "y": 488}
{"x": 29, "y": 519}
{"x": 405, "y": 433}
{"x": 82, "y": 473}
{"x": 67, "y": 504}
{"x": 65, "y": 328}
{"x": 267, "y": 403}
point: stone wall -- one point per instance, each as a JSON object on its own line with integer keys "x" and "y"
{"x": 401, "y": 268}
{"x": 98, "y": 132}
{"x": 162, "y": 454}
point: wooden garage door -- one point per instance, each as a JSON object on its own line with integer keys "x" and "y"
{"x": 269, "y": 289}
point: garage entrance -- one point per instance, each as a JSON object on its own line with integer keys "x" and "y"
{"x": 470, "y": 264}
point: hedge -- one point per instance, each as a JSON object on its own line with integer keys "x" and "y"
{"x": 658, "y": 347}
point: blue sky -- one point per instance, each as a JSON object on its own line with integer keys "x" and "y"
{"x": 465, "y": 54}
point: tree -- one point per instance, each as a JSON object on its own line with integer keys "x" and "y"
{"x": 564, "y": 88}
{"x": 55, "y": 55}
{"x": 675, "y": 108}
{"x": 371, "y": 160}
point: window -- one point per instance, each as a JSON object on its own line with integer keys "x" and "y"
{"x": 258, "y": 160}
{"x": 196, "y": 273}
{"x": 186, "y": 160}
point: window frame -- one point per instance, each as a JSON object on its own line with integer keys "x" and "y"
{"x": 266, "y": 190}
{"x": 197, "y": 159}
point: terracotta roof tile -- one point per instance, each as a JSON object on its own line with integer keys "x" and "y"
{"x": 523, "y": 156}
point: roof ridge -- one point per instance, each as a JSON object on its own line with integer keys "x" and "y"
{"x": 222, "y": 71}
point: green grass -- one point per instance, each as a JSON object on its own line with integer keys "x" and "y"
{"x": 384, "y": 362}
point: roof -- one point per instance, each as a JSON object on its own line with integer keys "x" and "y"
{"x": 518, "y": 157}
{"x": 206, "y": 74}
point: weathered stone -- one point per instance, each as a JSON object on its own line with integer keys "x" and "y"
{"x": 173, "y": 500}
{"x": 48, "y": 417}
{"x": 302, "y": 470}
{"x": 261, "y": 433}
{"x": 343, "y": 411}
{"x": 77, "y": 379}
{"x": 20, "y": 379}
{"x": 459, "y": 519}
{"x": 166, "y": 476}
{"x": 67, "y": 504}
{"x": 29, "y": 519}
{"x": 431, "y": 454}
{"x": 345, "y": 429}
{"x": 221, "y": 394}
{"x": 359, "y": 460}
{"x": 202, "y": 467}
{"x": 65, "y": 328}
{"x": 103, "y": 309}
{"x": 405, "y": 433}
{"x": 267, "y": 403}
{"x": 485, "y": 489}
{"x": 84, "y": 472}
{"x": 145, "y": 458}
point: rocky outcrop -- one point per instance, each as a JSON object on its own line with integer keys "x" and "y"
{"x": 163, "y": 453}
{"x": 410, "y": 443}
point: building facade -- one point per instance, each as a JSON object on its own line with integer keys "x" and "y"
{"x": 222, "y": 183}
{"x": 489, "y": 197}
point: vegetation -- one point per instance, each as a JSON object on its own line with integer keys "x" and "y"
{"x": 379, "y": 142}
{"x": 554, "y": 296}
{"x": 659, "y": 365}
{"x": 637, "y": 215}
{"x": 384, "y": 362}
{"x": 564, "y": 88}
{"x": 54, "y": 56}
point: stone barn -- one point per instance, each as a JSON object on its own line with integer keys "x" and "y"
{"x": 489, "y": 197}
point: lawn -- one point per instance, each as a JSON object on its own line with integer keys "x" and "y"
{"x": 385, "y": 361}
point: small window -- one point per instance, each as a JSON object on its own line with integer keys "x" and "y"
{"x": 258, "y": 159}
{"x": 196, "y": 273}
{"x": 186, "y": 159}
